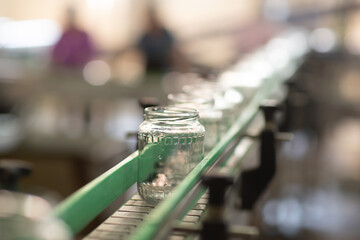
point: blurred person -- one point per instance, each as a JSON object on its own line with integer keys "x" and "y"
{"x": 74, "y": 48}
{"x": 158, "y": 48}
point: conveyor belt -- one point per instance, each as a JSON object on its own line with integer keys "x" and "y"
{"x": 125, "y": 220}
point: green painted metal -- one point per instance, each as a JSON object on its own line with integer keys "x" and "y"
{"x": 148, "y": 159}
{"x": 148, "y": 229}
{"x": 85, "y": 204}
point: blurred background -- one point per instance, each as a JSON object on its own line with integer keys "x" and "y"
{"x": 71, "y": 74}
{"x": 69, "y": 109}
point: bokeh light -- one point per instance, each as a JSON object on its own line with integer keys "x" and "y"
{"x": 97, "y": 72}
{"x": 322, "y": 40}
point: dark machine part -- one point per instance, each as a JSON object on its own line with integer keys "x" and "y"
{"x": 214, "y": 225}
{"x": 11, "y": 171}
{"x": 300, "y": 108}
{"x": 255, "y": 181}
{"x": 145, "y": 102}
{"x": 289, "y": 107}
{"x": 217, "y": 184}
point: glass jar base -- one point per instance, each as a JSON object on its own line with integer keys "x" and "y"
{"x": 153, "y": 194}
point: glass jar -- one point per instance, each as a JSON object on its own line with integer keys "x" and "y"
{"x": 230, "y": 110}
{"x": 210, "y": 117}
{"x": 171, "y": 144}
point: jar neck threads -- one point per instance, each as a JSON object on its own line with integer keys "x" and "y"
{"x": 171, "y": 115}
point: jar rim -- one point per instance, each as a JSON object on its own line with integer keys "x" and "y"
{"x": 167, "y": 113}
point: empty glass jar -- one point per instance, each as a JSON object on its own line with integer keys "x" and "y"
{"x": 230, "y": 110}
{"x": 210, "y": 117}
{"x": 171, "y": 144}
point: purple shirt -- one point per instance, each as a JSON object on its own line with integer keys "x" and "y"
{"x": 74, "y": 49}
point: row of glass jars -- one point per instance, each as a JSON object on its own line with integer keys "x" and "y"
{"x": 172, "y": 139}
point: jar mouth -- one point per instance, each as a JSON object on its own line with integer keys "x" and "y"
{"x": 171, "y": 113}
